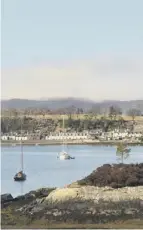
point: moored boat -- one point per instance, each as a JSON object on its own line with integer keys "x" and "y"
{"x": 64, "y": 155}
{"x": 20, "y": 176}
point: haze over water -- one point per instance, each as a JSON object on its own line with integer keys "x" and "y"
{"x": 43, "y": 169}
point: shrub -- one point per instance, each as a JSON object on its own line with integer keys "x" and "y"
{"x": 115, "y": 176}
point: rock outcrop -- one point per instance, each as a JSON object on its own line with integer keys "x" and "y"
{"x": 79, "y": 204}
{"x": 95, "y": 194}
{"x": 6, "y": 198}
{"x": 87, "y": 204}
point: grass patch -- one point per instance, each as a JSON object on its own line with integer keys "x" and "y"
{"x": 80, "y": 116}
{"x": 129, "y": 224}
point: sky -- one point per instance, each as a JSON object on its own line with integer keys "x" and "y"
{"x": 72, "y": 48}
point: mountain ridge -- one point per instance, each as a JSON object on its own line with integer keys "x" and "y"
{"x": 61, "y": 103}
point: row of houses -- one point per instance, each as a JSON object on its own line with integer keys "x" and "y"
{"x": 51, "y": 136}
{"x": 14, "y": 138}
{"x": 120, "y": 136}
{"x": 113, "y": 135}
{"x": 68, "y": 136}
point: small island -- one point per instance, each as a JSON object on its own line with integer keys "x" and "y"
{"x": 110, "y": 197}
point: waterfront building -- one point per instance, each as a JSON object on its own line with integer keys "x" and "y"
{"x": 67, "y": 136}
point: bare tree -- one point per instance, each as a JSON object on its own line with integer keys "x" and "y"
{"x": 134, "y": 113}
{"x": 114, "y": 111}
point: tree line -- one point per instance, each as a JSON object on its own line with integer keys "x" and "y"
{"x": 89, "y": 122}
{"x": 112, "y": 111}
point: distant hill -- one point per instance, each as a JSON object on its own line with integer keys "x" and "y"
{"x": 55, "y": 104}
{"x": 49, "y": 103}
{"x": 124, "y": 105}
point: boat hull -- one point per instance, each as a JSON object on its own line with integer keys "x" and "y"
{"x": 64, "y": 157}
{"x": 21, "y": 177}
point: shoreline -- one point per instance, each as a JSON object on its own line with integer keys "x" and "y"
{"x": 44, "y": 202}
{"x": 88, "y": 142}
{"x": 99, "y": 205}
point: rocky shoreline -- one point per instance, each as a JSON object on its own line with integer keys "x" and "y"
{"x": 86, "y": 205}
{"x": 77, "y": 206}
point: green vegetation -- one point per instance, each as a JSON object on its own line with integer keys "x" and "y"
{"x": 43, "y": 224}
{"x": 108, "y": 214}
{"x": 122, "y": 151}
{"x": 132, "y": 223}
{"x": 43, "y": 121}
{"x": 44, "y": 126}
{"x": 13, "y": 124}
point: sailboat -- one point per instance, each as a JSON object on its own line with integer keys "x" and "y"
{"x": 20, "y": 176}
{"x": 63, "y": 155}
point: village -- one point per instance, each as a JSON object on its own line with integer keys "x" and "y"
{"x": 81, "y": 129}
{"x": 97, "y": 135}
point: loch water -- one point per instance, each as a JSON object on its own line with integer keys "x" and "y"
{"x": 44, "y": 169}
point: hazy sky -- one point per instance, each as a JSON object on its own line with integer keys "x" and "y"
{"x": 81, "y": 48}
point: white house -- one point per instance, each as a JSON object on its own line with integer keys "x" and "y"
{"x": 12, "y": 137}
{"x": 67, "y": 136}
{"x": 4, "y": 138}
{"x": 21, "y": 138}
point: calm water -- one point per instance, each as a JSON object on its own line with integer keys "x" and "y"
{"x": 43, "y": 169}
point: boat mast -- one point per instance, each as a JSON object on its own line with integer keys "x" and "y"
{"x": 63, "y": 132}
{"x": 21, "y": 148}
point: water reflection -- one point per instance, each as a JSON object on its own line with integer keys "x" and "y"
{"x": 20, "y": 187}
